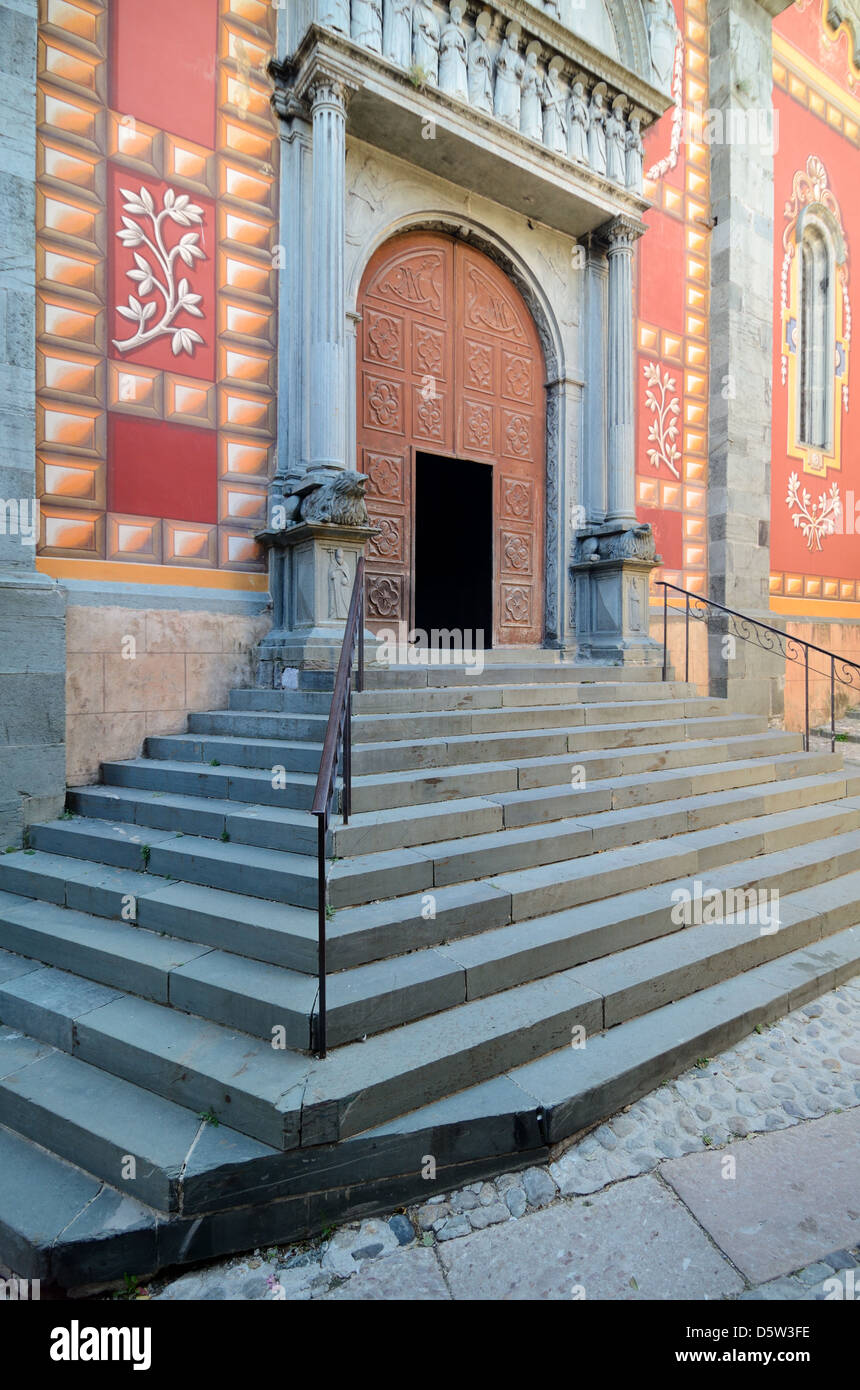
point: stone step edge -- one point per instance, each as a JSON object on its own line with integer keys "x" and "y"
{"x": 303, "y": 825}
{"x": 347, "y": 924}
{"x": 598, "y": 1025}
{"x": 545, "y": 1092}
{"x": 798, "y": 900}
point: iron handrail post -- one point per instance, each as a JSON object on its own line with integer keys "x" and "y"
{"x": 321, "y": 934}
{"x": 833, "y": 704}
{"x": 337, "y": 739}
{"x": 665, "y": 631}
{"x": 687, "y": 643}
{"x": 806, "y": 696}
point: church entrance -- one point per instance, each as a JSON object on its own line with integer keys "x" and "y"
{"x": 451, "y": 435}
{"x": 454, "y": 549}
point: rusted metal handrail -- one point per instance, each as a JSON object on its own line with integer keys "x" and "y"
{"x": 338, "y": 739}
{"x": 840, "y": 672}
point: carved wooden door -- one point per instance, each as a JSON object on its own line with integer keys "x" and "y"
{"x": 449, "y": 362}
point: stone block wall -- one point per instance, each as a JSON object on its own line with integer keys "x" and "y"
{"x": 32, "y": 633}
{"x": 842, "y": 638}
{"x": 132, "y": 672}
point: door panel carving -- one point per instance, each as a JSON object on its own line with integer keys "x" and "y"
{"x": 451, "y": 363}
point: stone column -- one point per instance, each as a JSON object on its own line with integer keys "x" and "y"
{"x": 741, "y": 331}
{"x": 327, "y": 386}
{"x": 594, "y": 499}
{"x": 295, "y": 240}
{"x": 614, "y": 555}
{"x": 32, "y": 606}
{"x": 621, "y": 488}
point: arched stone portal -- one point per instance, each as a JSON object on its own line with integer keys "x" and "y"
{"x": 451, "y": 372}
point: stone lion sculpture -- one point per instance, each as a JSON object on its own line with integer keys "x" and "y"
{"x": 340, "y": 501}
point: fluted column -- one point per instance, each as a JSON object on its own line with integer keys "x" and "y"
{"x": 327, "y": 386}
{"x": 621, "y": 236}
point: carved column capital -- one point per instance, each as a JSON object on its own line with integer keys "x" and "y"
{"x": 323, "y": 82}
{"x": 621, "y": 234}
{"x": 328, "y": 89}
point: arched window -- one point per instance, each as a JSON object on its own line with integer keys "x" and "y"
{"x": 817, "y": 348}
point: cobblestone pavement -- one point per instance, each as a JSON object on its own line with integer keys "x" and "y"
{"x": 788, "y": 1074}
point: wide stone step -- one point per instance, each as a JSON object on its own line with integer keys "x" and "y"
{"x": 266, "y": 754}
{"x": 412, "y": 754}
{"x": 361, "y": 1085}
{"x": 413, "y": 823}
{"x": 383, "y": 791}
{"x": 535, "y": 850}
{"x": 60, "y": 1224}
{"x": 258, "y": 998}
{"x": 285, "y": 935}
{"x": 538, "y": 849}
{"x": 426, "y": 756}
{"x": 420, "y": 825}
{"x": 99, "y": 1122}
{"x": 443, "y": 725}
{"x": 222, "y": 783}
{"x": 462, "y": 697}
{"x": 519, "y": 669}
{"x": 501, "y": 957}
{"x": 616, "y": 947}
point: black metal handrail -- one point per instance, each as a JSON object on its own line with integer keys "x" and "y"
{"x": 841, "y": 671}
{"x": 338, "y": 738}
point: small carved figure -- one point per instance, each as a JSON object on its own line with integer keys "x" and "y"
{"x": 480, "y": 70}
{"x": 635, "y": 156}
{"x": 554, "y": 114}
{"x": 615, "y": 134}
{"x": 339, "y": 501}
{"x": 334, "y": 14}
{"x": 577, "y": 130}
{"x": 531, "y": 108}
{"x": 597, "y": 133}
{"x": 508, "y": 93}
{"x": 453, "y": 75}
{"x": 397, "y": 32}
{"x": 635, "y": 609}
{"x": 367, "y": 24}
{"x": 339, "y": 585}
{"x": 425, "y": 41}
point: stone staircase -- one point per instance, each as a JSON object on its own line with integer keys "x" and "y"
{"x": 505, "y": 882}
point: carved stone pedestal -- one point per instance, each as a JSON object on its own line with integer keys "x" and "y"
{"x": 312, "y": 571}
{"x": 611, "y": 569}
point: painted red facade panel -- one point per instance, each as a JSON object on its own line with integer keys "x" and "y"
{"x": 163, "y": 64}
{"x": 160, "y": 469}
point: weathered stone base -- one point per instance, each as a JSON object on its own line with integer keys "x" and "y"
{"x": 312, "y": 571}
{"x": 612, "y": 611}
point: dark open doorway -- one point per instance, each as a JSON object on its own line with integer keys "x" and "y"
{"x": 454, "y": 547}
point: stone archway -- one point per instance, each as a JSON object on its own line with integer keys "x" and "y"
{"x": 449, "y": 364}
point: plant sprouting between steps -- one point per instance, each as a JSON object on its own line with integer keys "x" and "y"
{"x": 209, "y": 1118}
{"x": 145, "y": 852}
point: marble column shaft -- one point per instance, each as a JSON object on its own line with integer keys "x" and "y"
{"x": 328, "y": 410}
{"x": 621, "y": 488}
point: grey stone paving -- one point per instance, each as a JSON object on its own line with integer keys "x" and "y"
{"x": 639, "y": 1208}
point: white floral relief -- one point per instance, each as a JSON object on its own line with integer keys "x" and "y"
{"x": 663, "y": 430}
{"x": 155, "y": 270}
{"x": 671, "y": 159}
{"x": 815, "y": 519}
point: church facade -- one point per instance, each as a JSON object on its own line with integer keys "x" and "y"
{"x": 567, "y": 287}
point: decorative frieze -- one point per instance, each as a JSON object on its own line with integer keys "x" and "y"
{"x": 489, "y": 63}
